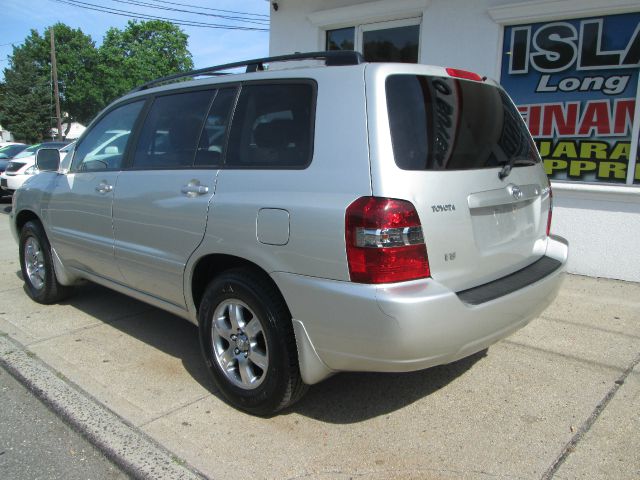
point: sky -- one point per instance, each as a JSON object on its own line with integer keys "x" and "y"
{"x": 208, "y": 46}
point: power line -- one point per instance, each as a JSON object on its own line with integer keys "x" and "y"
{"x": 212, "y": 9}
{"x": 140, "y": 3}
{"x": 245, "y": 16}
{"x": 125, "y": 13}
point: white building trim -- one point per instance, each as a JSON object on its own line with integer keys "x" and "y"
{"x": 607, "y": 193}
{"x": 369, "y": 12}
{"x": 545, "y": 10}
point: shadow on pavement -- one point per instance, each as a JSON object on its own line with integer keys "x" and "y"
{"x": 168, "y": 333}
{"x": 342, "y": 399}
{"x": 355, "y": 397}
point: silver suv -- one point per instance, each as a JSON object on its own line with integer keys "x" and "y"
{"x": 349, "y": 216}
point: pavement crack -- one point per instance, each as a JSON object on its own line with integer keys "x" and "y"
{"x": 340, "y": 473}
{"x": 5, "y": 290}
{"x": 588, "y": 423}
{"x": 173, "y": 410}
{"x": 591, "y": 327}
{"x": 96, "y": 324}
{"x": 564, "y": 356}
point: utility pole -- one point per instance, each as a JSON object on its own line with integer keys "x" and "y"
{"x": 54, "y": 71}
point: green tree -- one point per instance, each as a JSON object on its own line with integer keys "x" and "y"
{"x": 88, "y": 77}
{"x": 77, "y": 63}
{"x": 27, "y": 106}
{"x": 25, "y": 102}
{"x": 139, "y": 53}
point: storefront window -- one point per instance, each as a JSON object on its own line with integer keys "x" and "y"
{"x": 393, "y": 41}
{"x": 341, "y": 39}
{"x": 398, "y": 44}
{"x": 575, "y": 83}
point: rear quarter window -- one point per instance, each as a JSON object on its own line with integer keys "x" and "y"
{"x": 272, "y": 127}
{"x": 441, "y": 123}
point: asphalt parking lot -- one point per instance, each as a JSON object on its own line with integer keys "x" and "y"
{"x": 558, "y": 399}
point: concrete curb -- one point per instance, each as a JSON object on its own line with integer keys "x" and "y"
{"x": 137, "y": 454}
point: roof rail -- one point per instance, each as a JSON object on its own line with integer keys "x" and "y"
{"x": 331, "y": 58}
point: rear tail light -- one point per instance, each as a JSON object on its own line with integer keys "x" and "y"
{"x": 467, "y": 75}
{"x": 550, "y": 210}
{"x": 384, "y": 241}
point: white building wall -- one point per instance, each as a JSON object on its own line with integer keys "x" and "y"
{"x": 602, "y": 223}
{"x": 299, "y": 26}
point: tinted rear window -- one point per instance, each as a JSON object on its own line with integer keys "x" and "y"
{"x": 449, "y": 124}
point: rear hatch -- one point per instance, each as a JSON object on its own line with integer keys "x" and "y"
{"x": 460, "y": 152}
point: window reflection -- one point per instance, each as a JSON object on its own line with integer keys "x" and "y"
{"x": 398, "y": 44}
{"x": 441, "y": 123}
{"x": 341, "y": 39}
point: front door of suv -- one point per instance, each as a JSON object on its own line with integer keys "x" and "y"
{"x": 79, "y": 209}
{"x": 161, "y": 204}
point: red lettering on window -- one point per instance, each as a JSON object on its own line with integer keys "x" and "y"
{"x": 561, "y": 118}
{"x": 623, "y": 116}
{"x": 596, "y": 117}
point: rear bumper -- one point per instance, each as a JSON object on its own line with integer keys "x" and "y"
{"x": 407, "y": 326}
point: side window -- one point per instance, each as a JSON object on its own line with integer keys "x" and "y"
{"x": 211, "y": 146}
{"x": 104, "y": 146}
{"x": 171, "y": 130}
{"x": 271, "y": 127}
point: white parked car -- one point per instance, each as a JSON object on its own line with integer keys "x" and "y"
{"x": 23, "y": 166}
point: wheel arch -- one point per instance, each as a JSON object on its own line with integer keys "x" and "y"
{"x": 64, "y": 277}
{"x": 312, "y": 368}
{"x": 211, "y": 265}
{"x": 25, "y": 216}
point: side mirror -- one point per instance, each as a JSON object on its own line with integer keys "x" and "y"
{"x": 48, "y": 159}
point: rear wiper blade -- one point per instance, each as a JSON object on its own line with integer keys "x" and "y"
{"x": 505, "y": 171}
{"x": 506, "y": 168}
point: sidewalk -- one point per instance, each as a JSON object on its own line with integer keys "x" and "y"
{"x": 560, "y": 398}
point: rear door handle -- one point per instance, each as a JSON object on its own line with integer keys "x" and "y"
{"x": 193, "y": 189}
{"x": 104, "y": 187}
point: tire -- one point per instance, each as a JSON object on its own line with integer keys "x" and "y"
{"x": 37, "y": 268}
{"x": 250, "y": 348}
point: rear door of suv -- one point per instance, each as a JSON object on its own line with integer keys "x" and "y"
{"x": 162, "y": 199}
{"x": 459, "y": 151}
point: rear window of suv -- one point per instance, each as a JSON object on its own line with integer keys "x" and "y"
{"x": 440, "y": 123}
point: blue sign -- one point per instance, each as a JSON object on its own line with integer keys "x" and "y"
{"x": 575, "y": 83}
